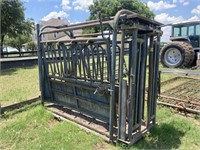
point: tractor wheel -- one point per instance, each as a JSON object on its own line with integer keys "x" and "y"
{"x": 177, "y": 54}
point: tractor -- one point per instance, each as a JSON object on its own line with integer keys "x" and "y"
{"x": 185, "y": 44}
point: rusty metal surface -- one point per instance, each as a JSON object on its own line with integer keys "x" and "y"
{"x": 184, "y": 94}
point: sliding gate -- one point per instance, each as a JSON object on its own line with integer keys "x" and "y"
{"x": 103, "y": 74}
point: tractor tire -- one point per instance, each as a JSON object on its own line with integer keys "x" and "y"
{"x": 177, "y": 55}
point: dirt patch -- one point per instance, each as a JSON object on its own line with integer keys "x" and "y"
{"x": 1, "y": 122}
{"x": 194, "y": 121}
{"x": 53, "y": 122}
{"x": 100, "y": 146}
{"x": 190, "y": 117}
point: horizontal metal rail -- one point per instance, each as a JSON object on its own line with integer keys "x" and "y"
{"x": 20, "y": 54}
{"x": 111, "y": 22}
{"x": 185, "y": 96}
{"x": 18, "y": 105}
{"x": 180, "y": 107}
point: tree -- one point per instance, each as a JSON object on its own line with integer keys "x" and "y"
{"x": 18, "y": 41}
{"x": 31, "y": 46}
{"x": 110, "y": 8}
{"x": 13, "y": 21}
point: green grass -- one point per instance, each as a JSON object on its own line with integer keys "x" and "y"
{"x": 18, "y": 84}
{"x": 173, "y": 131}
{"x": 35, "y": 128}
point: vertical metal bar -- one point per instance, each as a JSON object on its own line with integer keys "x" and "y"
{"x": 88, "y": 62}
{"x": 53, "y": 59}
{"x": 156, "y": 76}
{"x": 46, "y": 67}
{"x": 40, "y": 66}
{"x": 72, "y": 60}
{"x": 49, "y": 58}
{"x": 69, "y": 59}
{"x": 78, "y": 61}
{"x": 153, "y": 78}
{"x": 102, "y": 67}
{"x": 159, "y": 83}
{"x": 98, "y": 72}
{"x": 60, "y": 58}
{"x": 64, "y": 59}
{"x": 122, "y": 115}
{"x": 132, "y": 90}
{"x": 139, "y": 77}
{"x": 47, "y": 87}
{"x": 56, "y": 60}
{"x": 143, "y": 82}
{"x": 118, "y": 51}
{"x": 121, "y": 59}
{"x": 73, "y": 57}
{"x": 99, "y": 67}
{"x": 82, "y": 55}
{"x": 150, "y": 80}
{"x": 108, "y": 59}
{"x": 112, "y": 85}
{"x": 129, "y": 60}
{"x": 94, "y": 75}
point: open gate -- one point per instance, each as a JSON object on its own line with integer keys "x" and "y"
{"x": 103, "y": 75}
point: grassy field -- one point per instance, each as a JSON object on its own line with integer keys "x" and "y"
{"x": 35, "y": 128}
{"x": 18, "y": 84}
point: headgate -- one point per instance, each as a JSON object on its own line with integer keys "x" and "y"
{"x": 103, "y": 75}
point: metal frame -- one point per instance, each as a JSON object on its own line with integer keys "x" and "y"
{"x": 104, "y": 75}
{"x": 184, "y": 96}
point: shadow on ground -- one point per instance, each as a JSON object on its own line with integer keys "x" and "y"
{"x": 12, "y": 71}
{"x": 163, "y": 136}
{"x": 8, "y": 71}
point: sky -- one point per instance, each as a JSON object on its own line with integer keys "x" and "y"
{"x": 75, "y": 11}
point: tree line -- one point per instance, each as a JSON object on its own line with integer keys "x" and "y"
{"x": 16, "y": 30}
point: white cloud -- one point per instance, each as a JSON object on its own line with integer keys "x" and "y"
{"x": 166, "y": 19}
{"x": 65, "y": 5}
{"x": 166, "y": 34}
{"x": 196, "y": 10}
{"x": 184, "y": 2}
{"x": 160, "y": 5}
{"x": 194, "y": 18}
{"x": 54, "y": 14}
{"x": 82, "y": 4}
